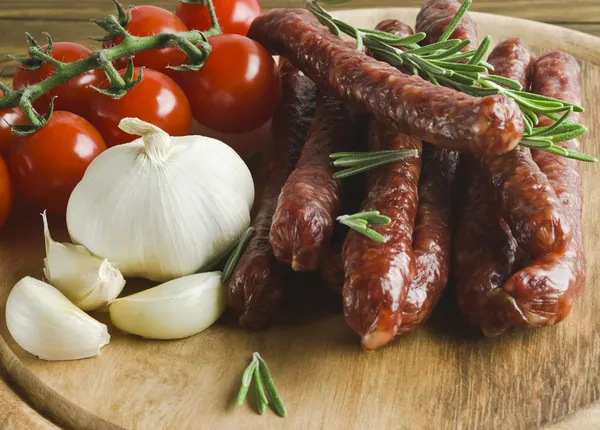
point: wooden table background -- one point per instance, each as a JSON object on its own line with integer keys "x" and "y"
{"x": 69, "y": 20}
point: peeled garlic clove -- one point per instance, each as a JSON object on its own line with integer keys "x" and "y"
{"x": 173, "y": 310}
{"x": 88, "y": 281}
{"x": 46, "y": 324}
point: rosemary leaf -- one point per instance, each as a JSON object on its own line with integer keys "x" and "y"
{"x": 364, "y": 157}
{"x": 236, "y": 255}
{"x": 448, "y": 53}
{"x": 481, "y": 51}
{"x": 364, "y": 230}
{"x": 529, "y": 130}
{"x": 536, "y": 143}
{"x": 246, "y": 380}
{"x": 559, "y": 150}
{"x": 359, "y": 215}
{"x": 392, "y": 39}
{"x": 359, "y": 222}
{"x": 448, "y": 44}
{"x": 505, "y": 82}
{"x": 261, "y": 396}
{"x": 271, "y": 390}
{"x": 469, "y": 68}
{"x": 454, "y": 23}
{"x": 531, "y": 116}
{"x": 563, "y": 137}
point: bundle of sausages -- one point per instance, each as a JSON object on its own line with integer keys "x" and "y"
{"x": 517, "y": 251}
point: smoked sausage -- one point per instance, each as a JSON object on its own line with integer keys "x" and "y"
{"x": 255, "y": 290}
{"x": 448, "y": 119}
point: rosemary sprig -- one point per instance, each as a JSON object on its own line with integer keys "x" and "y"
{"x": 234, "y": 258}
{"x": 359, "y": 162}
{"x": 266, "y": 391}
{"x": 360, "y": 221}
{"x": 274, "y": 398}
{"x": 442, "y": 63}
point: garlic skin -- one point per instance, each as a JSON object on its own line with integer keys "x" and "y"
{"x": 86, "y": 280}
{"x": 173, "y": 310}
{"x": 46, "y": 324}
{"x": 161, "y": 207}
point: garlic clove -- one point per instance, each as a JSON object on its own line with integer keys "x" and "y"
{"x": 173, "y": 310}
{"x": 46, "y": 324}
{"x": 88, "y": 281}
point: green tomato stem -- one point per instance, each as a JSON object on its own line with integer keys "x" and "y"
{"x": 190, "y": 42}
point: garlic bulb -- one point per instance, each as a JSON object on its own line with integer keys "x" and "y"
{"x": 88, "y": 281}
{"x": 161, "y": 207}
{"x": 174, "y": 310}
{"x": 45, "y": 323}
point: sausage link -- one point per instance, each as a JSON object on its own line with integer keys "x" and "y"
{"x": 332, "y": 268}
{"x": 486, "y": 250}
{"x": 432, "y": 243}
{"x": 393, "y": 190}
{"x": 486, "y": 254}
{"x": 434, "y": 224}
{"x": 435, "y": 16}
{"x": 448, "y": 119}
{"x": 310, "y": 200}
{"x": 256, "y": 288}
{"x": 523, "y": 193}
{"x": 546, "y": 290}
{"x": 513, "y": 60}
{"x": 377, "y": 275}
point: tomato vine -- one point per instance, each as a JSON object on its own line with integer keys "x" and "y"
{"x": 193, "y": 43}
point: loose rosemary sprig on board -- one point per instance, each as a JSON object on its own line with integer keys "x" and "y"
{"x": 443, "y": 63}
{"x": 361, "y": 221}
{"x": 266, "y": 391}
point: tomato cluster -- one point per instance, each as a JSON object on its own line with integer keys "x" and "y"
{"x": 236, "y": 91}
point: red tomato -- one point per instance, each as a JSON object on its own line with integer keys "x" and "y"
{"x": 238, "y": 88}
{"x": 235, "y": 16}
{"x": 6, "y": 194}
{"x": 148, "y": 21}
{"x": 73, "y": 96}
{"x": 9, "y": 116}
{"x": 47, "y": 165}
{"x": 157, "y": 100}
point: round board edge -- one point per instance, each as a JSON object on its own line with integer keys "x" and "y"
{"x": 55, "y": 408}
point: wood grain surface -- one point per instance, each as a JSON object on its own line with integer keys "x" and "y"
{"x": 444, "y": 376}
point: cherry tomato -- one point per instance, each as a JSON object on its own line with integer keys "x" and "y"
{"x": 13, "y": 117}
{"x": 73, "y": 96}
{"x": 148, "y": 21}
{"x": 6, "y": 194}
{"x": 157, "y": 100}
{"x": 235, "y": 16}
{"x": 238, "y": 88}
{"x": 47, "y": 165}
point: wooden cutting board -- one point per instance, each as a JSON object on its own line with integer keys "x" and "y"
{"x": 444, "y": 376}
